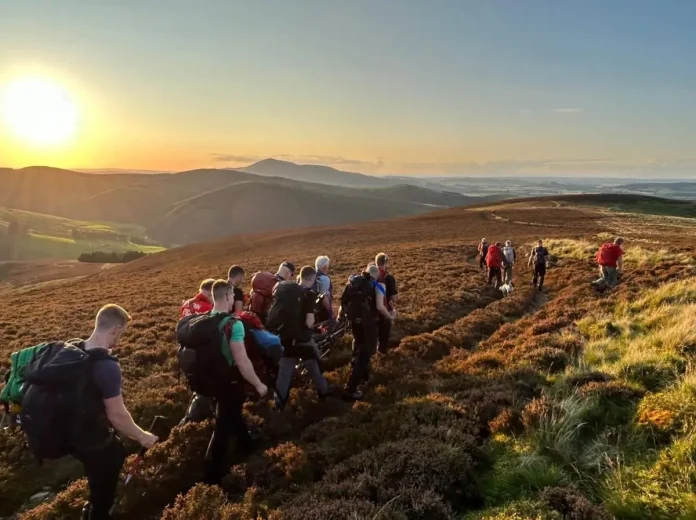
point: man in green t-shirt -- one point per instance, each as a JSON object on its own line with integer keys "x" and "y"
{"x": 230, "y": 400}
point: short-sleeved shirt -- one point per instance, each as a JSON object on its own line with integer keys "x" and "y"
{"x": 238, "y": 295}
{"x": 234, "y": 331}
{"x": 390, "y": 288}
{"x": 108, "y": 377}
{"x": 309, "y": 298}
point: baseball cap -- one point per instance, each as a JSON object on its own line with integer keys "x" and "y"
{"x": 290, "y": 266}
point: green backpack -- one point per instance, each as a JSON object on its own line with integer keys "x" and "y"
{"x": 13, "y": 391}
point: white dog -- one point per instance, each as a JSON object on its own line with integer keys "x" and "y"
{"x": 507, "y": 289}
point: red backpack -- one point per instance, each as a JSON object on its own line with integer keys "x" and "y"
{"x": 493, "y": 257}
{"x": 605, "y": 255}
{"x": 261, "y": 296}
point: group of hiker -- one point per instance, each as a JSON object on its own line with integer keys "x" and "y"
{"x": 498, "y": 260}
{"x": 68, "y": 393}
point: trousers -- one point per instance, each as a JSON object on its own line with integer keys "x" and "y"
{"x": 102, "y": 468}
{"x": 364, "y": 346}
{"x": 229, "y": 421}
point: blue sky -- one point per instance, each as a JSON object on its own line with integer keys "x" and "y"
{"x": 380, "y": 86}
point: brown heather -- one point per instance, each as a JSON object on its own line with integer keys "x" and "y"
{"x": 466, "y": 364}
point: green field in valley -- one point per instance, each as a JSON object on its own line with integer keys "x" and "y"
{"x": 46, "y": 236}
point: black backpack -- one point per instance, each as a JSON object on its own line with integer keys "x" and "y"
{"x": 62, "y": 409}
{"x": 285, "y": 316}
{"x": 358, "y": 298}
{"x": 539, "y": 256}
{"x": 201, "y": 339}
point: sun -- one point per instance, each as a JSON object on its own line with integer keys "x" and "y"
{"x": 39, "y": 111}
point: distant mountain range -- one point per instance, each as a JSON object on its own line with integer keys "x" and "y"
{"x": 196, "y": 205}
{"x": 314, "y": 173}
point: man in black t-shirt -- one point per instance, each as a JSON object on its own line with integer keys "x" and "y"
{"x": 384, "y": 324}
{"x": 540, "y": 258}
{"x": 300, "y": 345}
{"x": 103, "y": 463}
{"x": 235, "y": 276}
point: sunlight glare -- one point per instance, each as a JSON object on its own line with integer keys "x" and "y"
{"x": 39, "y": 111}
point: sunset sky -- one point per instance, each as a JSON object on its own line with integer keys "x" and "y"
{"x": 376, "y": 86}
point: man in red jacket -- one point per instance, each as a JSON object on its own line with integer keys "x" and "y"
{"x": 201, "y": 303}
{"x": 494, "y": 261}
{"x": 610, "y": 260}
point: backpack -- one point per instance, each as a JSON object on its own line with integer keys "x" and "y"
{"x": 201, "y": 339}
{"x": 13, "y": 391}
{"x": 539, "y": 256}
{"x": 62, "y": 410}
{"x": 358, "y": 298}
{"x": 493, "y": 257}
{"x": 509, "y": 255}
{"x": 261, "y": 296}
{"x": 605, "y": 255}
{"x": 267, "y": 343}
{"x": 285, "y": 315}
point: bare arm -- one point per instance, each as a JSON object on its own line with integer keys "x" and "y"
{"x": 309, "y": 320}
{"x": 619, "y": 263}
{"x": 245, "y": 367}
{"x": 121, "y": 420}
{"x": 381, "y": 308}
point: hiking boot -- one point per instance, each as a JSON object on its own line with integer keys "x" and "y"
{"x": 352, "y": 396}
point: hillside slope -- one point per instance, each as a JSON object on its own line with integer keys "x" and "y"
{"x": 473, "y": 392}
{"x": 314, "y": 173}
{"x": 253, "y": 207}
{"x": 206, "y": 204}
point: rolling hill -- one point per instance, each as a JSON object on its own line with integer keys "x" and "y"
{"x": 187, "y": 207}
{"x": 485, "y": 408}
{"x": 314, "y": 173}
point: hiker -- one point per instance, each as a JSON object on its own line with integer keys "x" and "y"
{"x": 610, "y": 260}
{"x": 235, "y": 277}
{"x": 292, "y": 318}
{"x": 213, "y": 356}
{"x": 540, "y": 258}
{"x": 200, "y": 408}
{"x": 92, "y": 409}
{"x": 483, "y": 251}
{"x": 391, "y": 296}
{"x": 509, "y": 259}
{"x": 361, "y": 301}
{"x": 202, "y": 302}
{"x": 262, "y": 285}
{"x": 324, "y": 289}
{"x": 494, "y": 261}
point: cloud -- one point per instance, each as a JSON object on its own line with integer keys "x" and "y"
{"x": 568, "y": 110}
{"x": 234, "y": 158}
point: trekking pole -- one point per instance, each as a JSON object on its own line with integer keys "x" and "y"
{"x": 131, "y": 470}
{"x": 141, "y": 454}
